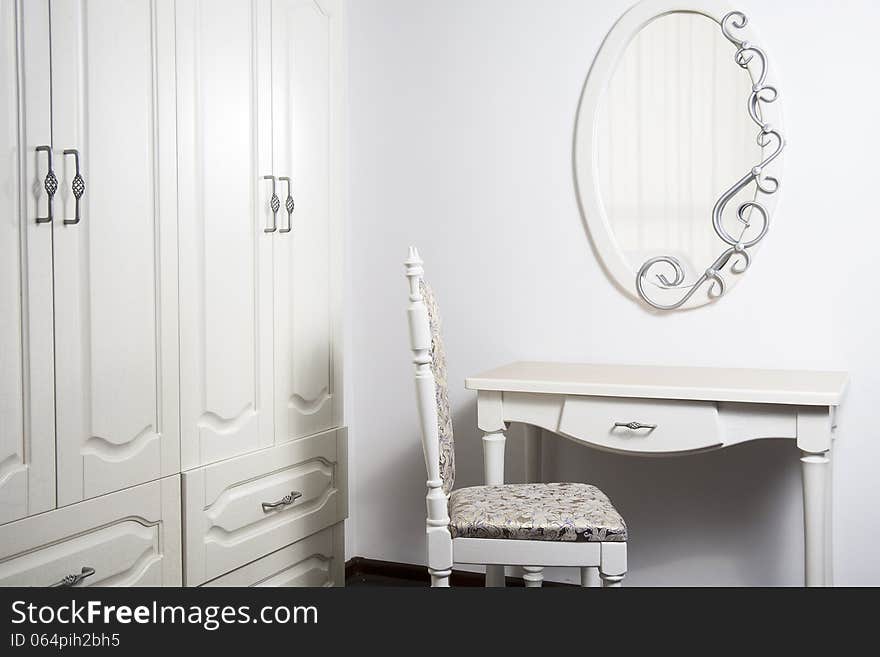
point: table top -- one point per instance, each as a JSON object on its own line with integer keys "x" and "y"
{"x": 796, "y": 387}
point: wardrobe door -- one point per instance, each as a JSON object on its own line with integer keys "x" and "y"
{"x": 115, "y": 245}
{"x": 224, "y": 124}
{"x": 306, "y": 87}
{"x": 27, "y": 416}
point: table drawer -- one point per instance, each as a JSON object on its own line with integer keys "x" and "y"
{"x": 674, "y": 426}
{"x": 128, "y": 538}
{"x": 239, "y": 510}
{"x": 316, "y": 561}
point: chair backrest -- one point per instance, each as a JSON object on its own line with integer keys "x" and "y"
{"x": 432, "y": 396}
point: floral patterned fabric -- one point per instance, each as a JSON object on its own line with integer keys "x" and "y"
{"x": 441, "y": 390}
{"x": 535, "y": 512}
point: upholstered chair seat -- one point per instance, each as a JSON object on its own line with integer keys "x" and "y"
{"x": 535, "y": 512}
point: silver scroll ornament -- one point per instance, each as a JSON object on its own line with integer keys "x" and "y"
{"x": 768, "y": 137}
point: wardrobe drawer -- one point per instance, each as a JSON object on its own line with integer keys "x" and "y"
{"x": 318, "y": 560}
{"x": 239, "y": 510}
{"x": 678, "y": 426}
{"x": 129, "y": 538}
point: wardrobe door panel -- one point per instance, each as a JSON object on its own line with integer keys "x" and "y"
{"x": 224, "y": 116}
{"x": 306, "y": 121}
{"x": 27, "y": 414}
{"x": 115, "y": 250}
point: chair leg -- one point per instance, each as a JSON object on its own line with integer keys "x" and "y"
{"x": 612, "y": 581}
{"x": 439, "y": 578}
{"x": 495, "y": 577}
{"x": 612, "y": 570}
{"x": 590, "y": 577}
{"x": 533, "y": 576}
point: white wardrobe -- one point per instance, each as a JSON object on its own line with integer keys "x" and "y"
{"x": 170, "y": 242}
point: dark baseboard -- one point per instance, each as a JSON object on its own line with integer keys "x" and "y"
{"x": 362, "y": 570}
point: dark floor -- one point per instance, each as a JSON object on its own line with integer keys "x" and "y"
{"x": 368, "y": 579}
{"x": 370, "y": 572}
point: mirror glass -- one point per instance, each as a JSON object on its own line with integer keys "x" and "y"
{"x": 673, "y": 134}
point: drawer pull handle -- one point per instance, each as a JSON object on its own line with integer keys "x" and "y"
{"x": 634, "y": 426}
{"x": 74, "y": 579}
{"x": 288, "y": 499}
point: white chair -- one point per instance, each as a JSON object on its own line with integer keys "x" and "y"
{"x": 528, "y": 525}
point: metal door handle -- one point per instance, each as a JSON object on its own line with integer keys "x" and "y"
{"x": 635, "y": 426}
{"x": 50, "y": 184}
{"x": 274, "y": 203}
{"x": 288, "y": 205}
{"x": 77, "y": 185}
{"x": 287, "y": 500}
{"x": 74, "y": 579}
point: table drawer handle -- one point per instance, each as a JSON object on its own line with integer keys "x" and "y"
{"x": 74, "y": 579}
{"x": 288, "y": 499}
{"x": 634, "y": 426}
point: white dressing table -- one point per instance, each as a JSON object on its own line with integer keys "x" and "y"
{"x": 668, "y": 411}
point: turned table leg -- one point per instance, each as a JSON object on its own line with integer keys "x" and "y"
{"x": 829, "y": 521}
{"x": 493, "y": 473}
{"x": 815, "y": 470}
{"x": 533, "y": 453}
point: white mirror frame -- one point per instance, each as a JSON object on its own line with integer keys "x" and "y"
{"x": 673, "y": 294}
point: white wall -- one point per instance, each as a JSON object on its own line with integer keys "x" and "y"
{"x": 462, "y": 115}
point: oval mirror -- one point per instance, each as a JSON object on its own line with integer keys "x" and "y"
{"x": 677, "y": 151}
